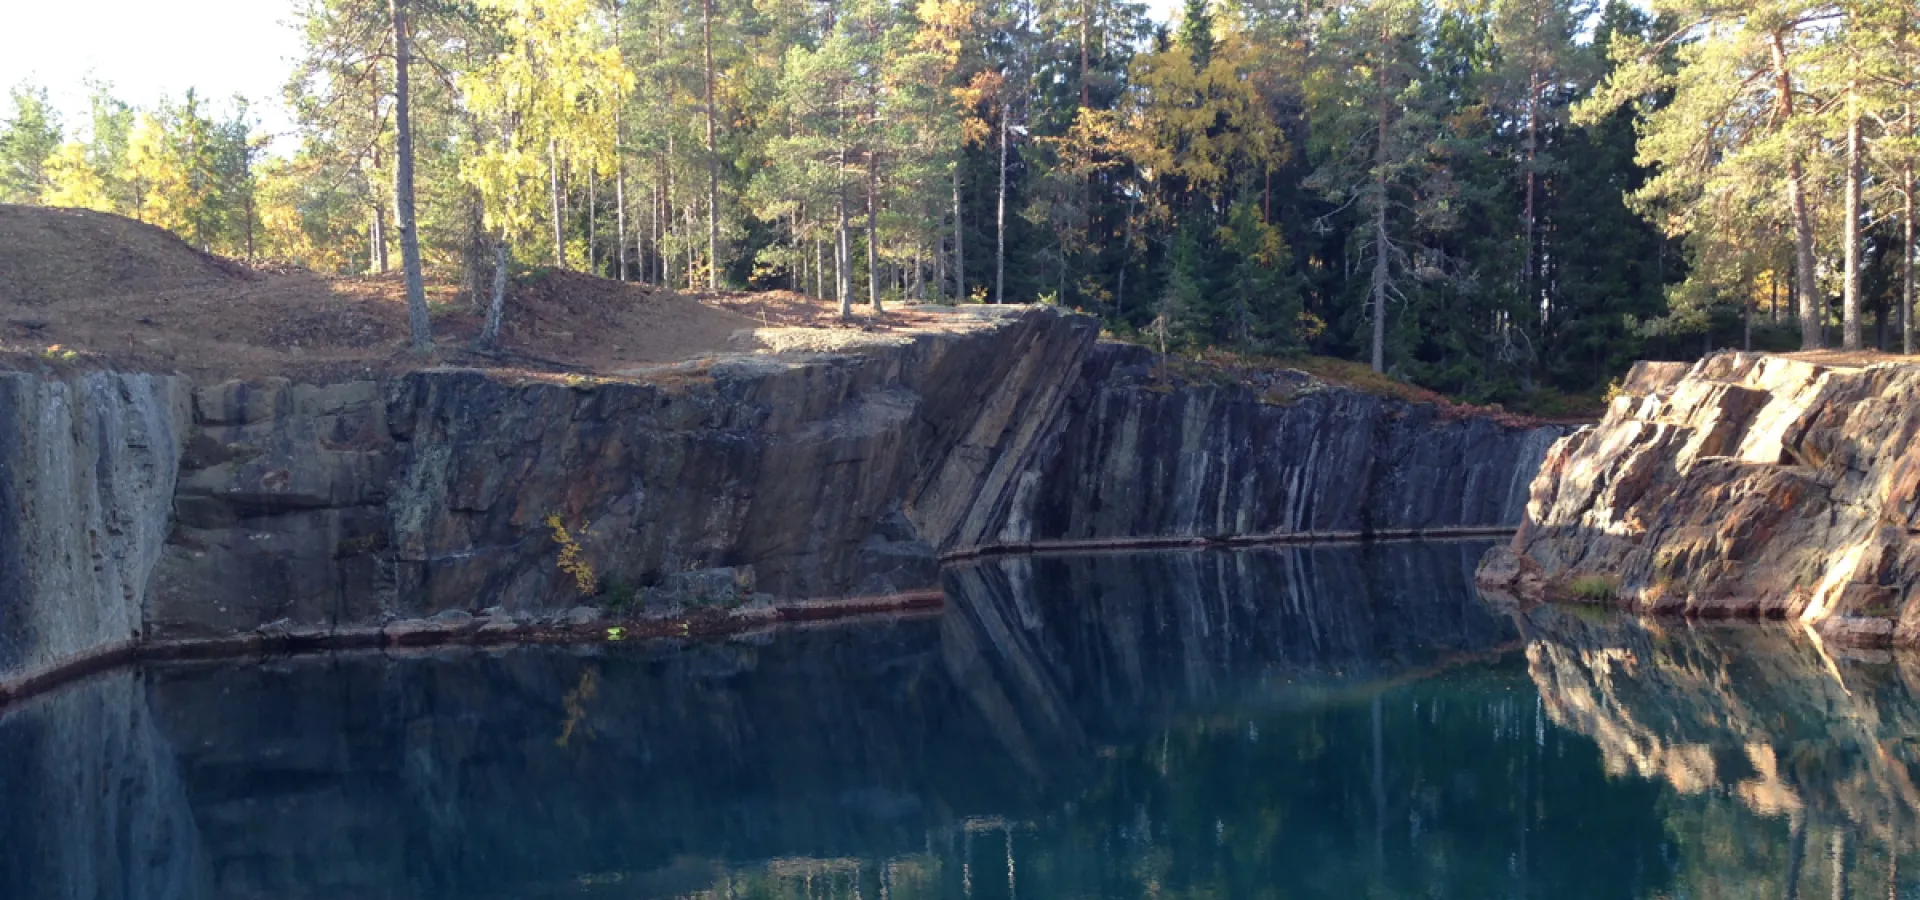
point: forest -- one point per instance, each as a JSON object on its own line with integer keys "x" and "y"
{"x": 1499, "y": 199}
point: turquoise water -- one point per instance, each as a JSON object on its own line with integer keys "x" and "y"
{"x": 1336, "y": 722}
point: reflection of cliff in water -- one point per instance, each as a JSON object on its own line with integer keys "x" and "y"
{"x": 1793, "y": 767}
{"x": 1117, "y": 642}
{"x": 1052, "y": 699}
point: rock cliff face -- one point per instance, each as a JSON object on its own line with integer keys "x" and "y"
{"x": 809, "y": 477}
{"x": 87, "y": 477}
{"x": 1742, "y": 485}
{"x": 221, "y": 509}
{"x": 1137, "y": 459}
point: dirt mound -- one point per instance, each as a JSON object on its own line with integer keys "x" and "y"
{"x": 54, "y": 255}
{"x": 91, "y": 289}
{"x": 600, "y": 325}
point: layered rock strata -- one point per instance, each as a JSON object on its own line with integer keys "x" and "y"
{"x": 1232, "y": 460}
{"x": 280, "y": 508}
{"x": 1741, "y": 485}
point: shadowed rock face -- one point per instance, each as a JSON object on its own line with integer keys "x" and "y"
{"x": 822, "y": 476}
{"x": 1139, "y": 460}
{"x": 305, "y": 508}
{"x": 87, "y": 472}
{"x": 1742, "y": 485}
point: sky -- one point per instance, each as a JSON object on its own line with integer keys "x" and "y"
{"x": 148, "y": 49}
{"x": 152, "y": 48}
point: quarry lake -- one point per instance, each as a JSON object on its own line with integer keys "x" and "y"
{"x": 1328, "y": 721}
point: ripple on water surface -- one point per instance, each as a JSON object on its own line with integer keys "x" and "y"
{"x": 1328, "y": 722}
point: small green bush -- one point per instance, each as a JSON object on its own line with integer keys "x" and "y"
{"x": 1592, "y": 589}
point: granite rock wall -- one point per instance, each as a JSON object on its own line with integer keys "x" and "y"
{"x": 1137, "y": 459}
{"x": 88, "y": 466}
{"x": 1743, "y": 485}
{"x": 162, "y": 510}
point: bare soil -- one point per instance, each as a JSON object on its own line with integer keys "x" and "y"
{"x": 89, "y": 289}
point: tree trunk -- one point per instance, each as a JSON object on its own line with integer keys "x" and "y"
{"x": 1907, "y": 238}
{"x": 713, "y": 157}
{"x": 939, "y": 267}
{"x": 1379, "y": 290}
{"x": 652, "y": 236}
{"x": 666, "y": 213}
{"x": 417, "y": 323}
{"x": 1126, "y": 259}
{"x": 873, "y": 231}
{"x": 1381, "y": 246}
{"x": 959, "y": 237}
{"x": 1000, "y": 213}
{"x": 619, "y": 164}
{"x": 620, "y": 218}
{"x": 1812, "y": 310}
{"x": 553, "y": 189}
{"x": 1527, "y": 218}
{"x": 1850, "y": 304}
{"x": 593, "y": 220}
{"x": 377, "y": 241}
{"x": 496, "y": 308}
{"x": 377, "y": 231}
{"x": 842, "y": 254}
{"x": 1086, "y": 17}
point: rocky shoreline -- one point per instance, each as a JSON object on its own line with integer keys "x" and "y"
{"x": 1743, "y": 486}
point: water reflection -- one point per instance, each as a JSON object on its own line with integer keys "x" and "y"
{"x": 1329, "y": 722}
{"x": 1791, "y": 765}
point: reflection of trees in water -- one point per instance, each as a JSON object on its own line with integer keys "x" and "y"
{"x": 1791, "y": 766}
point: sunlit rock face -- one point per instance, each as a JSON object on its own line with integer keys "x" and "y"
{"x": 1742, "y": 485}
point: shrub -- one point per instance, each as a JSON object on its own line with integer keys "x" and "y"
{"x": 1592, "y": 589}
{"x": 573, "y": 560}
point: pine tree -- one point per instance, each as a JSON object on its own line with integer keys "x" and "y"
{"x": 29, "y": 137}
{"x": 1378, "y": 125}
